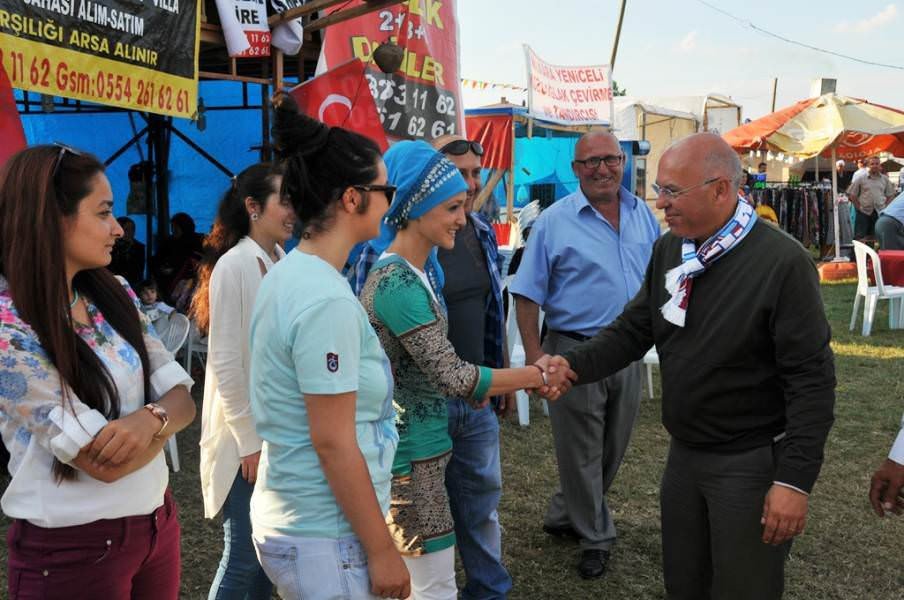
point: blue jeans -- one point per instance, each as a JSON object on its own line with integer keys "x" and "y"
{"x": 316, "y": 568}
{"x": 474, "y": 484}
{"x": 239, "y": 576}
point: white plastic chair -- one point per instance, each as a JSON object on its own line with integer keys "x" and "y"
{"x": 196, "y": 346}
{"x": 871, "y": 294}
{"x": 173, "y": 331}
{"x": 651, "y": 358}
{"x": 517, "y": 356}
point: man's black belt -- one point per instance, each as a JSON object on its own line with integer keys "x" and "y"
{"x": 575, "y": 336}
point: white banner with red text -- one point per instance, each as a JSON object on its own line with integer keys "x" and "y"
{"x": 568, "y": 95}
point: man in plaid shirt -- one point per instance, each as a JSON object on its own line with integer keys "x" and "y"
{"x": 473, "y": 295}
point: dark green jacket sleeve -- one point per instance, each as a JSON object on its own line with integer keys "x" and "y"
{"x": 806, "y": 367}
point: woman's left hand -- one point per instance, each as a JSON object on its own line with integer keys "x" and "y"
{"x": 123, "y": 439}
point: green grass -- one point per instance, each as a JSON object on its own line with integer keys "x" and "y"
{"x": 847, "y": 553}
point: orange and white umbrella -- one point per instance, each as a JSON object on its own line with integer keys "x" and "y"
{"x": 828, "y": 125}
{"x": 851, "y": 127}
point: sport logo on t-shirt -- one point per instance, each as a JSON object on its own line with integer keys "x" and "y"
{"x": 332, "y": 362}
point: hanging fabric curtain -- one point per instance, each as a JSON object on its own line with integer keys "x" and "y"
{"x": 496, "y": 135}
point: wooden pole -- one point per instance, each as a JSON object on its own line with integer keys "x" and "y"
{"x": 345, "y": 14}
{"x": 621, "y": 18}
{"x": 487, "y": 191}
{"x": 278, "y": 69}
{"x": 510, "y": 197}
{"x": 301, "y": 11}
{"x": 774, "y": 89}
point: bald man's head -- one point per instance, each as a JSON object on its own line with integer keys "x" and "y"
{"x": 592, "y": 138}
{"x": 599, "y": 165}
{"x": 698, "y": 183}
{"x": 713, "y": 154}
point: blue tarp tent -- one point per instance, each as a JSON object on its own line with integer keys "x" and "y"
{"x": 195, "y": 185}
{"x": 542, "y": 154}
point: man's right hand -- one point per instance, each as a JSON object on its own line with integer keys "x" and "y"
{"x": 559, "y": 375}
{"x": 886, "y": 492}
{"x": 389, "y": 576}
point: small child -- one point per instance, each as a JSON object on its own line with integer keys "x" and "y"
{"x": 150, "y": 306}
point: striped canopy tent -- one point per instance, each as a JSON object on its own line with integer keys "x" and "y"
{"x": 828, "y": 125}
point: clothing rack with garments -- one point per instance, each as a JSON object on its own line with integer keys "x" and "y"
{"x": 804, "y": 211}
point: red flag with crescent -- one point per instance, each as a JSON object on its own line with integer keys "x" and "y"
{"x": 341, "y": 97}
{"x": 12, "y": 137}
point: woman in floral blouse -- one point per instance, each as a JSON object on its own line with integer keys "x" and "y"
{"x": 403, "y": 299}
{"x": 88, "y": 394}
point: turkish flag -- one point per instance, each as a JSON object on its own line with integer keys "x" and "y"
{"x": 12, "y": 137}
{"x": 341, "y": 97}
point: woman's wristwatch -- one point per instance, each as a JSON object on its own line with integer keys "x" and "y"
{"x": 159, "y": 412}
{"x": 542, "y": 373}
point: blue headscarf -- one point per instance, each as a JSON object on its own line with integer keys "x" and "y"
{"x": 424, "y": 179}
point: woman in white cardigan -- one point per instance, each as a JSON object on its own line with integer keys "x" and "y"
{"x": 252, "y": 223}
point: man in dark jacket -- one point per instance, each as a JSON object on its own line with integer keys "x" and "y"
{"x": 734, "y": 309}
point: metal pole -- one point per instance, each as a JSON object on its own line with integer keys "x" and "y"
{"x": 621, "y": 18}
{"x": 836, "y": 216}
{"x": 774, "y": 89}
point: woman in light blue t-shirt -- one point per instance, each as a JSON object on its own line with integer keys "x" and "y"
{"x": 321, "y": 385}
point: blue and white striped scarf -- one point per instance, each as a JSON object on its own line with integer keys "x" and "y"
{"x": 694, "y": 261}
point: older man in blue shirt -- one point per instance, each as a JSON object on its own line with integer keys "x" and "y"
{"x": 890, "y": 226}
{"x": 587, "y": 258}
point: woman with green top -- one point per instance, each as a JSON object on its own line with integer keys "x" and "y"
{"x": 402, "y": 296}
{"x": 321, "y": 385}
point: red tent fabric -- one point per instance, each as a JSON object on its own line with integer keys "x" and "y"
{"x": 752, "y": 135}
{"x": 12, "y": 137}
{"x": 497, "y": 138}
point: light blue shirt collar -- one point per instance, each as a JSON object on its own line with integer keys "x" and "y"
{"x": 626, "y": 199}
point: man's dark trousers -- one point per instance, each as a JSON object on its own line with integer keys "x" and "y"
{"x": 712, "y": 546}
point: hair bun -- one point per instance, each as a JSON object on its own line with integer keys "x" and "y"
{"x": 295, "y": 133}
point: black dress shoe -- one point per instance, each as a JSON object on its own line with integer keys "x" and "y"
{"x": 593, "y": 563}
{"x": 561, "y": 532}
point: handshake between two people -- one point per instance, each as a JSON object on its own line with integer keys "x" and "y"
{"x": 558, "y": 377}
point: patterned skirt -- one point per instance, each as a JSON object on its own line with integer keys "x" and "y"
{"x": 419, "y": 518}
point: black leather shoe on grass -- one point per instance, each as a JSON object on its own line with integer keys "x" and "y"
{"x": 566, "y": 532}
{"x": 593, "y": 563}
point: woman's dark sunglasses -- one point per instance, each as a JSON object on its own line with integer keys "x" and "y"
{"x": 389, "y": 190}
{"x": 459, "y": 147}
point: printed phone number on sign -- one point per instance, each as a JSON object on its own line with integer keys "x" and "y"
{"x": 57, "y": 76}
{"x": 411, "y": 110}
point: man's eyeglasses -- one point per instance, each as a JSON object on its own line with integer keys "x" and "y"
{"x": 593, "y": 162}
{"x": 59, "y": 159}
{"x": 459, "y": 147}
{"x": 389, "y": 190}
{"x": 670, "y": 194}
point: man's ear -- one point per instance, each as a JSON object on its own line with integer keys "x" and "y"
{"x": 725, "y": 190}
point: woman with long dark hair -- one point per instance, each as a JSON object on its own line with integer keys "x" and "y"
{"x": 321, "y": 385}
{"x": 253, "y": 222}
{"x": 88, "y": 396}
